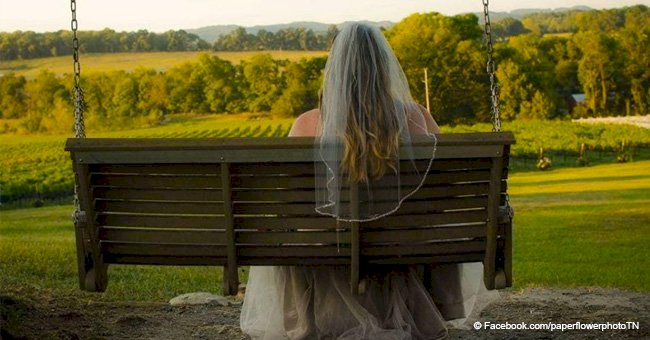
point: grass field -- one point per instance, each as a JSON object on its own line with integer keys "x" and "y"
{"x": 573, "y": 227}
{"x": 102, "y": 62}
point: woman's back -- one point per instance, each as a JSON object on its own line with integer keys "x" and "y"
{"x": 420, "y": 122}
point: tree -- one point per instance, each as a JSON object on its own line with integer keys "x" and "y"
{"x": 261, "y": 73}
{"x": 42, "y": 93}
{"x": 237, "y": 40}
{"x": 98, "y": 92}
{"x": 266, "y": 40}
{"x": 187, "y": 89}
{"x": 508, "y": 27}
{"x": 539, "y": 107}
{"x": 332, "y": 31}
{"x": 12, "y": 96}
{"x": 536, "y": 62}
{"x": 514, "y": 89}
{"x": 598, "y": 68}
{"x": 303, "y": 80}
{"x": 635, "y": 39}
{"x": 221, "y": 91}
{"x": 152, "y": 94}
{"x": 558, "y": 52}
{"x": 124, "y": 101}
{"x": 307, "y": 39}
{"x": 451, "y": 50}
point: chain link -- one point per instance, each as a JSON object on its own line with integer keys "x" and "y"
{"x": 491, "y": 69}
{"x": 77, "y": 99}
{"x": 494, "y": 88}
{"x": 77, "y": 92}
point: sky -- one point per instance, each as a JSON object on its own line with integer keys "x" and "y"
{"x": 162, "y": 15}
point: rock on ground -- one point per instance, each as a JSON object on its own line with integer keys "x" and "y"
{"x": 199, "y": 298}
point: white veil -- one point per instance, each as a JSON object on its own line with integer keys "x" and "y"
{"x": 365, "y": 91}
{"x": 366, "y": 97}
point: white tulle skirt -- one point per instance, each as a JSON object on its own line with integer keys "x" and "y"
{"x": 316, "y": 303}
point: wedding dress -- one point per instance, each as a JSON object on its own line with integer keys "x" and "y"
{"x": 316, "y": 303}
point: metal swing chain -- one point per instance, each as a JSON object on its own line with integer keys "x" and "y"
{"x": 494, "y": 89}
{"x": 494, "y": 86}
{"x": 77, "y": 99}
{"x": 77, "y": 92}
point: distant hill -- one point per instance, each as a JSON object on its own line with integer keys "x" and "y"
{"x": 521, "y": 13}
{"x": 212, "y": 33}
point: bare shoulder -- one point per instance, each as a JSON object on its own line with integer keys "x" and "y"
{"x": 306, "y": 124}
{"x": 310, "y": 115}
{"x": 421, "y": 119}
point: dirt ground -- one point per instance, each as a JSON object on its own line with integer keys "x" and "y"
{"x": 23, "y": 318}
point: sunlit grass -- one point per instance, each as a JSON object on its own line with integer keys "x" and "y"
{"x": 608, "y": 177}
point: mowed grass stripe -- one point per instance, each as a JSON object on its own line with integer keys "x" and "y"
{"x": 607, "y": 177}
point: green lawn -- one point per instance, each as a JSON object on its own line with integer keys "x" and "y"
{"x": 573, "y": 227}
{"x": 161, "y": 61}
{"x": 585, "y": 226}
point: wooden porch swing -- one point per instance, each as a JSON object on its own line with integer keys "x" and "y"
{"x": 249, "y": 201}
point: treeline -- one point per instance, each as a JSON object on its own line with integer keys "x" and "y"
{"x": 121, "y": 99}
{"x": 28, "y": 44}
{"x": 294, "y": 39}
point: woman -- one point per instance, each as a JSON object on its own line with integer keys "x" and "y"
{"x": 366, "y": 116}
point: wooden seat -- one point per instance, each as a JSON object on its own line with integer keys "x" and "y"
{"x": 231, "y": 202}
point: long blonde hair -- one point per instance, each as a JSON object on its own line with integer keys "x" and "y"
{"x": 359, "y": 87}
{"x": 364, "y": 146}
